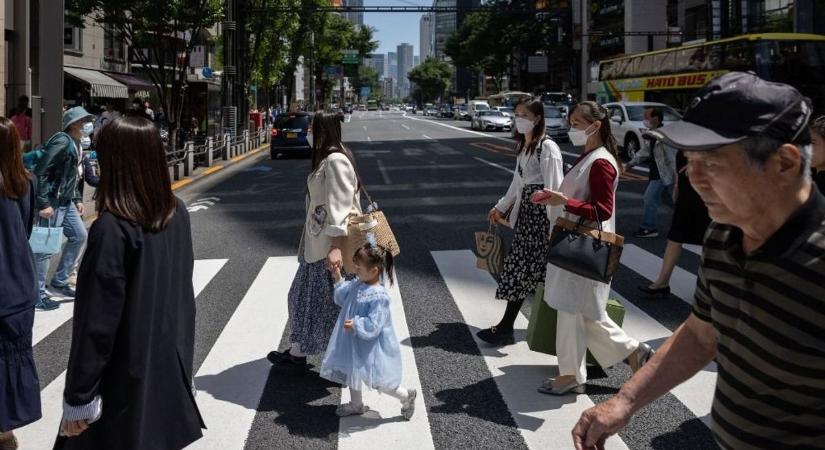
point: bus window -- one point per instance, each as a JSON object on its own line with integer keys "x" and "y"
{"x": 664, "y": 62}
{"x": 642, "y": 65}
{"x": 738, "y": 56}
{"x": 692, "y": 59}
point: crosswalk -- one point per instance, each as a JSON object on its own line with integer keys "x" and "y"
{"x": 232, "y": 379}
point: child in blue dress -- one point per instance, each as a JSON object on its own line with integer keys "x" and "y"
{"x": 363, "y": 350}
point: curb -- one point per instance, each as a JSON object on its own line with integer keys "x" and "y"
{"x": 189, "y": 180}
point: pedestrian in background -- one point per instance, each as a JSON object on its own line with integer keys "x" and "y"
{"x": 128, "y": 382}
{"x": 759, "y": 309}
{"x": 59, "y": 202}
{"x": 538, "y": 166}
{"x": 588, "y": 191}
{"x": 333, "y": 195}
{"x": 364, "y": 351}
{"x": 23, "y": 122}
{"x": 688, "y": 226}
{"x": 19, "y": 384}
{"x": 106, "y": 117}
{"x": 818, "y": 157}
{"x": 662, "y": 164}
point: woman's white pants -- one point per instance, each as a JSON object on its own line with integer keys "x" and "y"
{"x": 575, "y": 334}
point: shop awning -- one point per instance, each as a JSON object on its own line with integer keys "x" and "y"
{"x": 134, "y": 82}
{"x": 101, "y": 84}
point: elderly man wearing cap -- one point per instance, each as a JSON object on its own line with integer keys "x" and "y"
{"x": 59, "y": 201}
{"x": 760, "y": 298}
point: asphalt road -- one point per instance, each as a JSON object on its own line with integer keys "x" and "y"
{"x": 435, "y": 180}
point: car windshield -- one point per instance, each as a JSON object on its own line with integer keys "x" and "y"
{"x": 482, "y": 107}
{"x": 552, "y": 113}
{"x": 636, "y": 113}
{"x": 555, "y": 98}
{"x": 506, "y": 109}
{"x": 492, "y": 113}
{"x": 292, "y": 122}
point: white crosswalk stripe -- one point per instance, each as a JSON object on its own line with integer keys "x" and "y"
{"x": 232, "y": 378}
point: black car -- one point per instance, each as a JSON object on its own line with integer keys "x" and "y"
{"x": 290, "y": 135}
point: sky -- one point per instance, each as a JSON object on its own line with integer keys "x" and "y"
{"x": 395, "y": 28}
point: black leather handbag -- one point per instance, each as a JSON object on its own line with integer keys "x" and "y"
{"x": 588, "y": 252}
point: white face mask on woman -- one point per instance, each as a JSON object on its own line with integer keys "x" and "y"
{"x": 523, "y": 125}
{"x": 579, "y": 137}
{"x": 87, "y": 129}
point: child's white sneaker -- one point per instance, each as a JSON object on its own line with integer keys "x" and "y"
{"x": 348, "y": 409}
{"x": 408, "y": 405}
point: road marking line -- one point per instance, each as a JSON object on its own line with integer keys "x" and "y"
{"x": 492, "y": 164}
{"x": 376, "y": 429}
{"x": 181, "y": 183}
{"x": 697, "y": 249}
{"x": 232, "y": 378}
{"x": 384, "y": 174}
{"x": 365, "y": 128}
{"x": 544, "y": 421}
{"x": 404, "y": 126}
{"x": 427, "y": 137}
{"x": 212, "y": 170}
{"x": 41, "y": 434}
{"x": 646, "y": 264}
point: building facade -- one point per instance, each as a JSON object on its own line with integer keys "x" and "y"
{"x": 355, "y": 17}
{"x": 405, "y": 64}
{"x": 425, "y": 29}
{"x": 378, "y": 62}
{"x": 389, "y": 87}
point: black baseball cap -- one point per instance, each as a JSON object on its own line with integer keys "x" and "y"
{"x": 736, "y": 106}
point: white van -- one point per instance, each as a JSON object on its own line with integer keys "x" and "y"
{"x": 477, "y": 105}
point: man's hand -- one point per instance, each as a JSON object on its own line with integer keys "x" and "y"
{"x": 600, "y": 422}
{"x": 47, "y": 213}
{"x": 73, "y": 428}
{"x": 80, "y": 208}
{"x": 348, "y": 325}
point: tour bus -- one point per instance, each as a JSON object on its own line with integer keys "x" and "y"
{"x": 673, "y": 75}
{"x": 510, "y": 99}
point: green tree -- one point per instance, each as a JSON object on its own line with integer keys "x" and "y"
{"x": 271, "y": 37}
{"x": 156, "y": 33}
{"x": 432, "y": 78}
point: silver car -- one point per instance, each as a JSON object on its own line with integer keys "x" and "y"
{"x": 555, "y": 123}
{"x": 490, "y": 119}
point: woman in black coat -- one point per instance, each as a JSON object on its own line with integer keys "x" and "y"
{"x": 19, "y": 385}
{"x": 129, "y": 380}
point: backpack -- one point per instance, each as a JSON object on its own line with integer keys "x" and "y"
{"x": 30, "y": 159}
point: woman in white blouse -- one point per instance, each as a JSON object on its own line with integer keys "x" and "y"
{"x": 538, "y": 166}
{"x": 332, "y": 197}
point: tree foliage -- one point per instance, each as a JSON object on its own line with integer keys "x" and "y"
{"x": 271, "y": 37}
{"x": 432, "y": 78}
{"x": 160, "y": 35}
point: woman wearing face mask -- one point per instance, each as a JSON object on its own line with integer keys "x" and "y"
{"x": 538, "y": 166}
{"x": 588, "y": 191}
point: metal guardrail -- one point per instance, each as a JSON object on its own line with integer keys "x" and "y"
{"x": 182, "y": 161}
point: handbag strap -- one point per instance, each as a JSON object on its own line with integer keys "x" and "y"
{"x": 598, "y": 221}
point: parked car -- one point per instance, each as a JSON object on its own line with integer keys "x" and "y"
{"x": 489, "y": 119}
{"x": 447, "y": 111}
{"x": 509, "y": 111}
{"x": 627, "y": 122}
{"x": 431, "y": 111}
{"x": 461, "y": 113}
{"x": 290, "y": 135}
{"x": 555, "y": 123}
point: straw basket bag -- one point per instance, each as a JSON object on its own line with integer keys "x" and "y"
{"x": 359, "y": 226}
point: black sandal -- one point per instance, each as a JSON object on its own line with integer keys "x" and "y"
{"x": 284, "y": 358}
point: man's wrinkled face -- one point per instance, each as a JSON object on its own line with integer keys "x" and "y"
{"x": 733, "y": 188}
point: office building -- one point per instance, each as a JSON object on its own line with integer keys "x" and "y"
{"x": 389, "y": 87}
{"x": 405, "y": 64}
{"x": 355, "y": 17}
{"x": 416, "y": 60}
{"x": 378, "y": 62}
{"x": 425, "y": 29}
{"x": 392, "y": 69}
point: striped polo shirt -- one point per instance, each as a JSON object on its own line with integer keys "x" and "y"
{"x": 769, "y": 310}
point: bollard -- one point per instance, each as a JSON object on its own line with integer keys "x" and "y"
{"x": 225, "y": 153}
{"x": 171, "y": 173}
{"x": 188, "y": 158}
{"x": 209, "y": 151}
{"x": 245, "y": 141}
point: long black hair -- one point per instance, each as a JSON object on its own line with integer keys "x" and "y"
{"x": 537, "y": 108}
{"x": 376, "y": 255}
{"x": 134, "y": 178}
{"x": 593, "y": 112}
{"x": 327, "y": 139}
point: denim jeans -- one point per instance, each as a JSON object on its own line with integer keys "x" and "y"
{"x": 75, "y": 231}
{"x": 653, "y": 197}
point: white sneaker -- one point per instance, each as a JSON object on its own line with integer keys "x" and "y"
{"x": 348, "y": 409}
{"x": 408, "y": 405}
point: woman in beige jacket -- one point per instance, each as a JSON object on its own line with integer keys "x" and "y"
{"x": 332, "y": 197}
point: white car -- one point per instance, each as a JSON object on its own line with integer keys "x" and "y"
{"x": 495, "y": 120}
{"x": 627, "y": 122}
{"x": 507, "y": 110}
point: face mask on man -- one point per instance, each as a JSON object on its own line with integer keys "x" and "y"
{"x": 85, "y": 142}
{"x": 579, "y": 137}
{"x": 87, "y": 129}
{"x": 523, "y": 125}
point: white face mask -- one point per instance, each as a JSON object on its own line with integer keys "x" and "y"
{"x": 87, "y": 129}
{"x": 579, "y": 137}
{"x": 523, "y": 125}
{"x": 85, "y": 142}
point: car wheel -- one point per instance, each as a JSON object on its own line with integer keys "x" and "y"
{"x": 631, "y": 145}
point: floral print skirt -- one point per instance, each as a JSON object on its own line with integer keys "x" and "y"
{"x": 312, "y": 311}
{"x": 526, "y": 263}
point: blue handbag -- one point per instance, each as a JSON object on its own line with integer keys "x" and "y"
{"x": 46, "y": 240}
